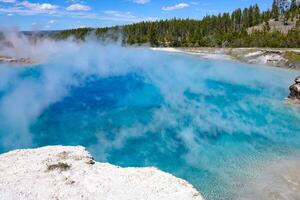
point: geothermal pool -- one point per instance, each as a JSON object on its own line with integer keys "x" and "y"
{"x": 221, "y": 125}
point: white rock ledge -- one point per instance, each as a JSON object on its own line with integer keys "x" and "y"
{"x": 61, "y": 173}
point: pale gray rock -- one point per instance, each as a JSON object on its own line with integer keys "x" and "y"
{"x": 58, "y": 172}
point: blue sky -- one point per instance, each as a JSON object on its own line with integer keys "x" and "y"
{"x": 64, "y": 14}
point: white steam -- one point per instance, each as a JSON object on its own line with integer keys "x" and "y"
{"x": 66, "y": 63}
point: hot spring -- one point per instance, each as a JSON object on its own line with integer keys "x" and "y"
{"x": 221, "y": 125}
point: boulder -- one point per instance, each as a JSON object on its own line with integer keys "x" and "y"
{"x": 295, "y": 89}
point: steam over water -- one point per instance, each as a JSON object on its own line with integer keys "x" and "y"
{"x": 220, "y": 125}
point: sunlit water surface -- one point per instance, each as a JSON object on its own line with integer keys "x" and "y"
{"x": 213, "y": 123}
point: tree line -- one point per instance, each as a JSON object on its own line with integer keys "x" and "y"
{"x": 222, "y": 30}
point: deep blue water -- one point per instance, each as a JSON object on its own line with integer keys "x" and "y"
{"x": 202, "y": 120}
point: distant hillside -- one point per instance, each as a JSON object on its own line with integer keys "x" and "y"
{"x": 277, "y": 27}
{"x": 273, "y": 25}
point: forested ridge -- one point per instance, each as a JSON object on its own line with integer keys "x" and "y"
{"x": 223, "y": 30}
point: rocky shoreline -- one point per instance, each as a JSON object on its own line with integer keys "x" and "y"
{"x": 284, "y": 58}
{"x": 59, "y": 172}
{"x": 16, "y": 61}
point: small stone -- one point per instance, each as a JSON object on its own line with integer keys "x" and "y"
{"x": 297, "y": 79}
{"x": 91, "y": 162}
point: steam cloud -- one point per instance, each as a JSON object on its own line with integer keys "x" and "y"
{"x": 66, "y": 64}
{"x": 65, "y": 61}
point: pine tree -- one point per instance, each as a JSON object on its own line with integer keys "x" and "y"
{"x": 275, "y": 10}
{"x": 283, "y": 6}
{"x": 251, "y": 16}
{"x": 153, "y": 35}
{"x": 245, "y": 18}
{"x": 257, "y": 15}
{"x": 293, "y": 5}
{"x": 293, "y": 9}
{"x": 236, "y": 19}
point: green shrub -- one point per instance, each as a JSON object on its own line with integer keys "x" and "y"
{"x": 59, "y": 166}
{"x": 292, "y": 56}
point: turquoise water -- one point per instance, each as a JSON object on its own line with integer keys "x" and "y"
{"x": 206, "y": 121}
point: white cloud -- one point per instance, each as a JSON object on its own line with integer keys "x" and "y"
{"x": 141, "y": 1}
{"x": 75, "y": 1}
{"x": 194, "y": 3}
{"x": 78, "y": 7}
{"x": 119, "y": 14}
{"x": 38, "y": 6}
{"x": 9, "y": 15}
{"x": 29, "y": 9}
{"x": 51, "y": 22}
{"x": 176, "y": 7}
{"x": 8, "y": 1}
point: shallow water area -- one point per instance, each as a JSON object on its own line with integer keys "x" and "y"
{"x": 217, "y": 124}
